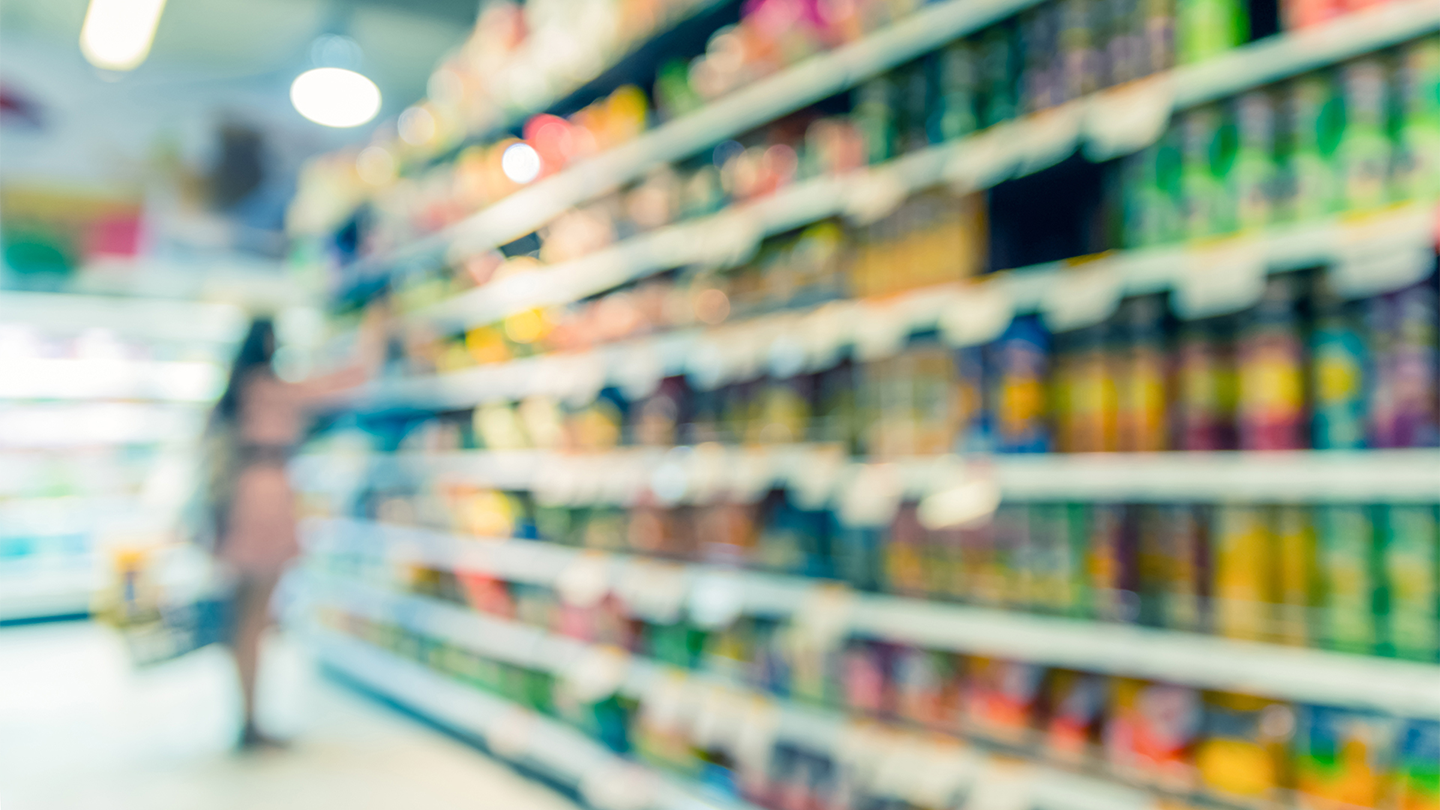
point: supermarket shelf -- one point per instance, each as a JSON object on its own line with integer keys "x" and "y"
{"x": 515, "y": 733}
{"x": 582, "y": 92}
{"x": 1311, "y": 676}
{"x": 72, "y": 514}
{"x": 175, "y": 381}
{"x": 823, "y": 474}
{"x": 52, "y": 426}
{"x": 1105, "y": 122}
{"x": 155, "y": 319}
{"x": 762, "y": 101}
{"x": 822, "y": 731}
{"x": 45, "y": 594}
{"x": 1366, "y": 256}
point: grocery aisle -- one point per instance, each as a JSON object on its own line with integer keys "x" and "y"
{"x": 81, "y": 730}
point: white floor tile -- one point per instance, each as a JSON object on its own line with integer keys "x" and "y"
{"x": 80, "y": 729}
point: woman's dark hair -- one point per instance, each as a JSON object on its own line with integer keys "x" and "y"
{"x": 255, "y": 354}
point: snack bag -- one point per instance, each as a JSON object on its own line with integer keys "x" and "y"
{"x": 1342, "y": 757}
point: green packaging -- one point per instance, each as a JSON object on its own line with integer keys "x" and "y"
{"x": 1207, "y": 157}
{"x": 1256, "y": 173}
{"x": 1153, "y": 201}
{"x": 1346, "y": 552}
{"x": 1313, "y": 124}
{"x": 1409, "y": 541}
{"x": 1296, "y": 574}
{"x": 1206, "y": 28}
{"x": 1339, "y": 360}
{"x": 1417, "y": 101}
{"x": 875, "y": 118}
{"x": 1364, "y": 152}
{"x": 956, "y": 115}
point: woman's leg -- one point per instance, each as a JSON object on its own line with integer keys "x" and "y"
{"x": 252, "y": 615}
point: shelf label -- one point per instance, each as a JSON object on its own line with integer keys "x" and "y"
{"x": 1384, "y": 253}
{"x": 881, "y": 330}
{"x": 825, "y": 332}
{"x": 1047, "y": 137}
{"x": 873, "y": 195}
{"x": 584, "y": 582}
{"x": 730, "y": 239}
{"x": 812, "y": 481}
{"x": 1001, "y": 786}
{"x": 977, "y": 315}
{"x": 980, "y": 161}
{"x": 823, "y": 620}
{"x": 653, "y": 590}
{"x": 1220, "y": 279}
{"x": 717, "y": 599}
{"x": 871, "y": 496}
{"x": 619, "y": 786}
{"x": 597, "y": 675}
{"x": 1129, "y": 117}
{"x": 1083, "y": 297}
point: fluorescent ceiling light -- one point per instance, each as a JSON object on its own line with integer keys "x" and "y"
{"x": 117, "y": 34}
{"x": 335, "y": 97}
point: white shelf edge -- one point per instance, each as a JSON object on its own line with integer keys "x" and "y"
{"x": 748, "y": 343}
{"x": 558, "y": 750}
{"x": 1402, "y": 688}
{"x": 1245, "y": 67}
{"x": 153, "y": 318}
{"x": 815, "y": 728}
{"x": 44, "y": 594}
{"x": 1299, "y": 476}
{"x": 813, "y": 79}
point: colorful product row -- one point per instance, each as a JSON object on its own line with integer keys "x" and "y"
{"x": 1189, "y": 744}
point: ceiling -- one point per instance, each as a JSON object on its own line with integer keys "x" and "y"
{"x": 232, "y": 39}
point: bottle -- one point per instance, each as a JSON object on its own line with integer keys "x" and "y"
{"x": 1345, "y": 536}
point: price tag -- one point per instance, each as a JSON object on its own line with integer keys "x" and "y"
{"x": 946, "y": 771}
{"x": 1220, "y": 279}
{"x": 597, "y": 675}
{"x": 880, "y": 330}
{"x": 584, "y": 582}
{"x": 813, "y": 481}
{"x": 823, "y": 620}
{"x": 509, "y": 734}
{"x": 708, "y": 466}
{"x": 1128, "y": 118}
{"x": 718, "y": 719}
{"x": 1082, "y": 297}
{"x": 730, "y": 239}
{"x": 717, "y": 599}
{"x": 1001, "y": 786}
{"x": 755, "y": 744}
{"x": 1048, "y": 137}
{"x": 983, "y": 160}
{"x": 825, "y": 332}
{"x": 871, "y": 495}
{"x": 752, "y": 474}
{"x": 638, "y": 369}
{"x": 1384, "y": 253}
{"x": 622, "y": 787}
{"x": 787, "y": 355}
{"x": 873, "y": 195}
{"x": 977, "y": 315}
{"x": 652, "y": 590}
{"x": 586, "y": 377}
{"x": 705, "y": 367}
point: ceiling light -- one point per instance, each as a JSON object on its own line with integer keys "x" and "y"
{"x": 520, "y": 162}
{"x": 117, "y": 34}
{"x": 335, "y": 97}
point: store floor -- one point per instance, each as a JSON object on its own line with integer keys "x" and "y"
{"x": 82, "y": 730}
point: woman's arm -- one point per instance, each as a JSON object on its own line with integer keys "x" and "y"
{"x": 369, "y": 355}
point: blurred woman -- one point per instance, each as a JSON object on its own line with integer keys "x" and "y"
{"x": 254, "y": 430}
